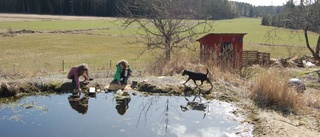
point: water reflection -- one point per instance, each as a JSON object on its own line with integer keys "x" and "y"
{"x": 122, "y": 101}
{"x": 79, "y": 104}
{"x": 122, "y": 105}
{"x": 196, "y": 105}
{"x": 147, "y": 116}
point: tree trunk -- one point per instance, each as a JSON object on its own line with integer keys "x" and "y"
{"x": 168, "y": 52}
{"x": 316, "y": 57}
{"x": 168, "y": 48}
{"x": 308, "y": 44}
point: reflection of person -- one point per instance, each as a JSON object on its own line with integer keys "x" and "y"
{"x": 80, "y": 105}
{"x": 121, "y": 77}
{"x": 122, "y": 105}
{"x": 76, "y": 72}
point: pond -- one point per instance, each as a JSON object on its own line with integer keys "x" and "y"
{"x": 105, "y": 115}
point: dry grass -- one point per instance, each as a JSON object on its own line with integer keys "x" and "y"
{"x": 190, "y": 61}
{"x": 225, "y": 77}
{"x": 179, "y": 62}
{"x": 270, "y": 89}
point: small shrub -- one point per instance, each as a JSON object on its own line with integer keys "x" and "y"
{"x": 270, "y": 89}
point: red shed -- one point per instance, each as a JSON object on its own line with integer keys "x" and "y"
{"x": 224, "y": 48}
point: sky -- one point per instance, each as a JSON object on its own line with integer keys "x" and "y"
{"x": 263, "y": 2}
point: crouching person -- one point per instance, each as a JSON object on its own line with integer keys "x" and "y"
{"x": 75, "y": 73}
{"x": 121, "y": 76}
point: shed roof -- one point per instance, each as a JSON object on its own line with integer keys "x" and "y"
{"x": 221, "y": 34}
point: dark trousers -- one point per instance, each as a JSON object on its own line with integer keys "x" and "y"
{"x": 74, "y": 84}
{"x": 125, "y": 76}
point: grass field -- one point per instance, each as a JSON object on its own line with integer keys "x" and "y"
{"x": 44, "y": 53}
{"x": 259, "y": 34}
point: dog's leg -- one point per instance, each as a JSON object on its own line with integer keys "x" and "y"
{"x": 186, "y": 99}
{"x": 204, "y": 115}
{"x": 183, "y": 108}
{"x": 194, "y": 98}
{"x": 208, "y": 92}
{"x": 194, "y": 90}
{"x": 201, "y": 82}
{"x": 210, "y": 84}
{"x": 195, "y": 82}
{"x": 198, "y": 95}
{"x": 186, "y": 81}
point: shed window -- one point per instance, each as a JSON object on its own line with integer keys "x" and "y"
{"x": 226, "y": 51}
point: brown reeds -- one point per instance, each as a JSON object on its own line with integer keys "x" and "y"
{"x": 270, "y": 89}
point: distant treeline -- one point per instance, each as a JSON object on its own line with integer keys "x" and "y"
{"x": 214, "y": 9}
{"x": 295, "y": 16}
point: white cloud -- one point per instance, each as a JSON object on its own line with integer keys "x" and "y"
{"x": 182, "y": 131}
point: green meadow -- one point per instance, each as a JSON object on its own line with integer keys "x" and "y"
{"x": 43, "y": 53}
{"x": 59, "y": 24}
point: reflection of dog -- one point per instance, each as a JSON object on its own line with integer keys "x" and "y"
{"x": 197, "y": 76}
{"x": 80, "y": 105}
{"x": 193, "y": 105}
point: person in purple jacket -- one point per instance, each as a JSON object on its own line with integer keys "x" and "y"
{"x": 75, "y": 73}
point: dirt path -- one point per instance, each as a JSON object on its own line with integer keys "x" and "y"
{"x": 36, "y": 17}
{"x": 273, "y": 124}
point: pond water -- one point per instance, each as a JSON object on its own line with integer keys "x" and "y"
{"x": 103, "y": 115}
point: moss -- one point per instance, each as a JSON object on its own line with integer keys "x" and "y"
{"x": 15, "y": 88}
{"x": 147, "y": 87}
{"x": 53, "y": 86}
{"x": 29, "y": 87}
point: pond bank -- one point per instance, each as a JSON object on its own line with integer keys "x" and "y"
{"x": 267, "y": 122}
{"x": 171, "y": 85}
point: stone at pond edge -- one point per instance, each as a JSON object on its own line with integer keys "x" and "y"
{"x": 153, "y": 88}
{"x": 147, "y": 87}
{"x": 8, "y": 90}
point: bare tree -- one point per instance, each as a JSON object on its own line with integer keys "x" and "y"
{"x": 304, "y": 16}
{"x": 164, "y": 23}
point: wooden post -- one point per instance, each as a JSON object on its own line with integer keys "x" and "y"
{"x": 62, "y": 65}
{"x": 110, "y": 65}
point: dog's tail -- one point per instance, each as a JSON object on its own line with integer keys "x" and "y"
{"x": 207, "y": 71}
